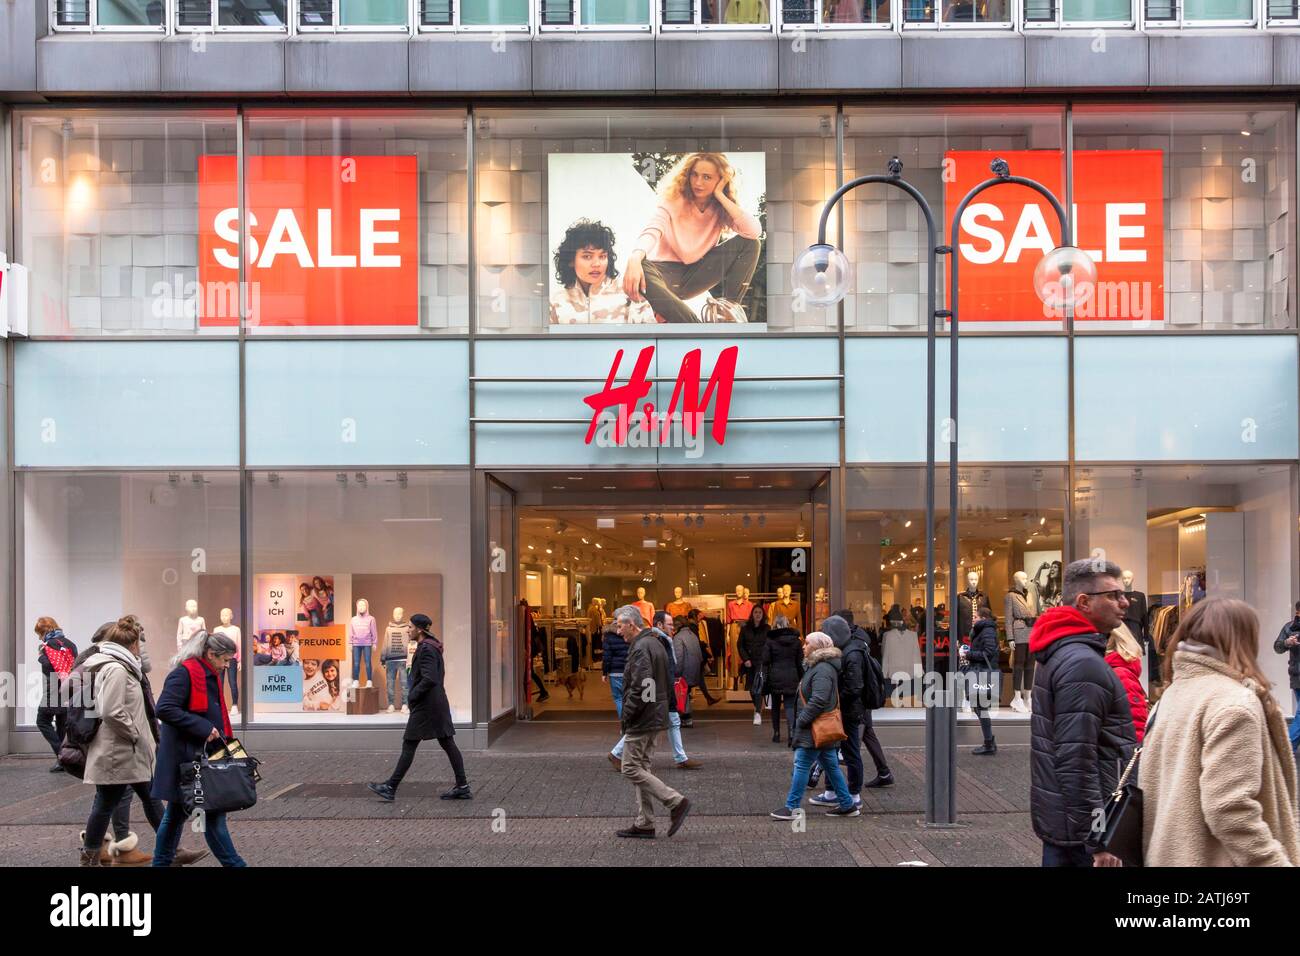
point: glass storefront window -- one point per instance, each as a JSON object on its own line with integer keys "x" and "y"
{"x": 1096, "y": 11}
{"x": 493, "y": 13}
{"x": 1010, "y": 520}
{"x": 1218, "y": 10}
{"x": 1183, "y": 533}
{"x": 1225, "y": 177}
{"x": 596, "y": 13}
{"x": 372, "y": 13}
{"x": 244, "y": 14}
{"x": 986, "y": 12}
{"x": 502, "y": 614}
{"x": 357, "y": 220}
{"x": 735, "y": 12}
{"x": 800, "y": 13}
{"x": 129, "y": 13}
{"x": 97, "y": 546}
{"x": 109, "y": 221}
{"x": 944, "y": 153}
{"x": 323, "y": 543}
{"x": 568, "y": 198}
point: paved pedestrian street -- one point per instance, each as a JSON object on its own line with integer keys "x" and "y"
{"x": 560, "y": 806}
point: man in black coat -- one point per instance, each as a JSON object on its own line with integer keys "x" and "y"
{"x": 1288, "y": 642}
{"x": 853, "y": 662}
{"x": 647, "y": 684}
{"x": 430, "y": 715}
{"x": 1082, "y": 732}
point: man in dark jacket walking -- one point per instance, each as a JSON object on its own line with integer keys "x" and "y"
{"x": 1288, "y": 642}
{"x": 647, "y": 682}
{"x": 853, "y": 662}
{"x": 1082, "y": 727}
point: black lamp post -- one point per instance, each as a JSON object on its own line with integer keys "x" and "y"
{"x": 821, "y": 274}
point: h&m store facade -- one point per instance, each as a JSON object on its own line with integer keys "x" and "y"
{"x": 400, "y": 406}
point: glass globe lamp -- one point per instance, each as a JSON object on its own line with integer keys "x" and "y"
{"x": 1065, "y": 278}
{"x": 821, "y": 275}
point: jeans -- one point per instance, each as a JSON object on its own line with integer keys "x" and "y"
{"x": 215, "y": 834}
{"x": 53, "y": 725}
{"x": 674, "y": 737}
{"x": 107, "y": 798}
{"x": 636, "y": 769}
{"x": 448, "y": 745}
{"x": 360, "y": 654}
{"x": 791, "y": 712}
{"x": 616, "y": 689}
{"x": 804, "y": 758}
{"x": 121, "y": 825}
{"x": 395, "y": 671}
{"x": 232, "y": 675}
{"x": 852, "y": 750}
{"x": 1295, "y": 722}
{"x": 1058, "y": 856}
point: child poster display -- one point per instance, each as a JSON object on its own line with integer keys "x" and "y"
{"x": 299, "y": 653}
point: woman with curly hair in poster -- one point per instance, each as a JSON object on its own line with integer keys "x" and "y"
{"x": 587, "y": 270}
{"x": 678, "y": 255}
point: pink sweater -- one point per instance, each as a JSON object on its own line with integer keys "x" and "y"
{"x": 678, "y": 232}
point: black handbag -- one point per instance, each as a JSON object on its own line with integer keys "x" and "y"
{"x": 1121, "y": 820}
{"x": 218, "y": 785}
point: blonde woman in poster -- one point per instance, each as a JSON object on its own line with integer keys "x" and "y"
{"x": 679, "y": 256}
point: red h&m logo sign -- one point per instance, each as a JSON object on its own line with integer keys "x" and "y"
{"x": 638, "y": 425}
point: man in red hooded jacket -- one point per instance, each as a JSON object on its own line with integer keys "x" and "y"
{"x": 1082, "y": 731}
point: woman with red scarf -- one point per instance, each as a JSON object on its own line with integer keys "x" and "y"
{"x": 192, "y": 710}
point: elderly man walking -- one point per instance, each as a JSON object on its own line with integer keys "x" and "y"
{"x": 647, "y": 682}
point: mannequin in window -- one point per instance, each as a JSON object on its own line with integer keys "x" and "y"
{"x": 189, "y": 624}
{"x": 788, "y": 606}
{"x": 1136, "y": 620}
{"x": 965, "y": 601}
{"x": 645, "y": 607}
{"x": 738, "y": 611}
{"x": 1019, "y": 622}
{"x": 398, "y": 638}
{"x": 363, "y": 635}
{"x": 228, "y": 629}
{"x": 678, "y": 606}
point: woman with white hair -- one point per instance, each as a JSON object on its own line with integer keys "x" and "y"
{"x": 192, "y": 710}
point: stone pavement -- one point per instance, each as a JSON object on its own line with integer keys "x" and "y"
{"x": 547, "y": 796}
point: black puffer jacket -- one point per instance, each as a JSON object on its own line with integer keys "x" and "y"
{"x": 1082, "y": 731}
{"x": 782, "y": 661}
{"x": 819, "y": 691}
{"x": 1293, "y": 665}
{"x": 984, "y": 648}
{"x": 751, "y": 642}
{"x": 853, "y": 661}
{"x": 614, "y": 655}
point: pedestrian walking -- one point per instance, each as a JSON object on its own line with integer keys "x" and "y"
{"x": 782, "y": 664}
{"x": 612, "y": 661}
{"x": 853, "y": 664}
{"x": 663, "y": 630}
{"x": 1082, "y": 728}
{"x": 699, "y": 627}
{"x": 884, "y": 776}
{"x": 979, "y": 665}
{"x": 648, "y": 680}
{"x": 818, "y": 694}
{"x": 1288, "y": 642}
{"x": 121, "y": 754}
{"x": 749, "y": 649}
{"x": 56, "y": 655}
{"x": 1124, "y": 655}
{"x": 192, "y": 711}
{"x": 689, "y": 652}
{"x": 430, "y": 715}
{"x": 1217, "y": 770}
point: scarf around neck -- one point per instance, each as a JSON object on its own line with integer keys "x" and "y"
{"x": 199, "y": 671}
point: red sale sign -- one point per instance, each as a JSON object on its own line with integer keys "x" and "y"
{"x": 1118, "y": 220}
{"x": 332, "y": 240}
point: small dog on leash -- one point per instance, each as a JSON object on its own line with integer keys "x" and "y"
{"x": 576, "y": 681}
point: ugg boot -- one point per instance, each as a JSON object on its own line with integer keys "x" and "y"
{"x": 104, "y": 858}
{"x": 124, "y": 852}
{"x": 88, "y": 857}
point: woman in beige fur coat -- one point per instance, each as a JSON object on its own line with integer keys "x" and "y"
{"x": 1216, "y": 771}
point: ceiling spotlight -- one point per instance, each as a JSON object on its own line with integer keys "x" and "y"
{"x": 1042, "y": 521}
{"x": 585, "y": 541}
{"x": 1029, "y": 541}
{"x": 990, "y": 552}
{"x": 907, "y": 523}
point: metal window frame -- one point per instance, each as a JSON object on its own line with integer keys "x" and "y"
{"x": 336, "y": 28}
{"x": 1010, "y": 25}
{"x": 1180, "y": 21}
{"x": 212, "y": 26}
{"x": 575, "y": 24}
{"x": 529, "y": 28}
{"x": 1058, "y": 21}
{"x": 819, "y": 24}
{"x": 698, "y": 26}
{"x": 94, "y": 26}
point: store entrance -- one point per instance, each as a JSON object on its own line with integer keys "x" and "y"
{"x": 707, "y": 547}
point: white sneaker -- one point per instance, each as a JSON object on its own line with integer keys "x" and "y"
{"x": 391, "y": 708}
{"x": 234, "y": 712}
{"x": 758, "y": 719}
{"x": 1018, "y": 706}
{"x": 405, "y": 709}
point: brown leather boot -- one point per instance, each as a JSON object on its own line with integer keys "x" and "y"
{"x": 186, "y": 857}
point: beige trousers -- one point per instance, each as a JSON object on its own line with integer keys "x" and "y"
{"x": 637, "y": 751}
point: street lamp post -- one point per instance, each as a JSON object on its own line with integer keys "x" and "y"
{"x": 1063, "y": 278}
